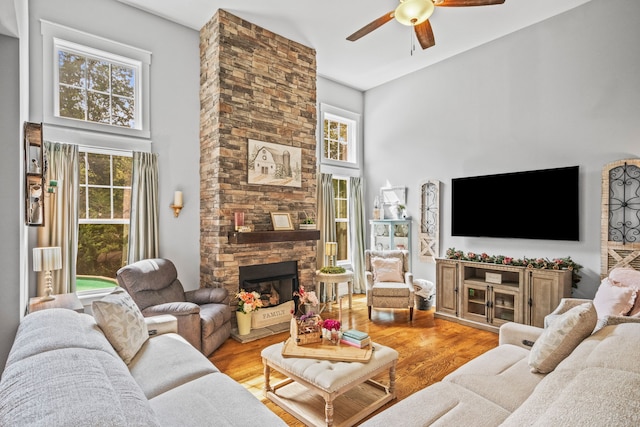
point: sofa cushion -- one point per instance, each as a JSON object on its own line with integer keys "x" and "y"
{"x": 387, "y": 269}
{"x": 501, "y": 375}
{"x": 122, "y": 323}
{"x": 167, "y": 361}
{"x": 72, "y": 387}
{"x": 214, "y": 399}
{"x": 585, "y": 397}
{"x": 441, "y": 404}
{"x": 561, "y": 337}
{"x": 57, "y": 328}
{"x": 613, "y": 300}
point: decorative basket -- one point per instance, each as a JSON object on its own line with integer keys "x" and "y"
{"x": 306, "y": 331}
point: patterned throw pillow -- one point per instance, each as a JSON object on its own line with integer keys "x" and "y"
{"x": 121, "y": 322}
{"x": 562, "y": 337}
{"x": 387, "y": 269}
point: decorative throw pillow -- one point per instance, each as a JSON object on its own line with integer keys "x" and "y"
{"x": 613, "y": 300}
{"x": 562, "y": 337}
{"x": 387, "y": 269}
{"x": 121, "y": 322}
{"x": 630, "y": 278}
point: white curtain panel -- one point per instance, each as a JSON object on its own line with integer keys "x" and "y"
{"x": 143, "y": 230}
{"x": 358, "y": 234}
{"x": 61, "y": 214}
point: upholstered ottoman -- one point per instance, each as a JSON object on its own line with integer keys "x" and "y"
{"x": 345, "y": 390}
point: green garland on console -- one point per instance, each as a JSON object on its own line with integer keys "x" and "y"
{"x": 541, "y": 263}
{"x": 332, "y": 270}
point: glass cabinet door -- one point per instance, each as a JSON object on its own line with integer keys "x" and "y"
{"x": 475, "y": 302}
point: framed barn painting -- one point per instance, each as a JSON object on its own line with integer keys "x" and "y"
{"x": 274, "y": 164}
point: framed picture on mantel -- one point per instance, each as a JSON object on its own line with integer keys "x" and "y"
{"x": 281, "y": 221}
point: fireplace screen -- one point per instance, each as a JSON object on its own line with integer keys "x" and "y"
{"x": 274, "y": 282}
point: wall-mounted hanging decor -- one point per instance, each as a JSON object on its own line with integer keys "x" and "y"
{"x": 34, "y": 170}
{"x": 429, "y": 232}
{"x": 620, "y": 232}
{"x": 274, "y": 164}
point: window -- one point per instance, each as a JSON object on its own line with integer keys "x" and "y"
{"x": 93, "y": 83}
{"x": 104, "y": 203}
{"x": 340, "y": 137}
{"x": 341, "y": 205}
{"x": 95, "y": 88}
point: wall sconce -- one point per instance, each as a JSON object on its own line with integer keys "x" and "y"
{"x": 47, "y": 259}
{"x": 177, "y": 203}
{"x": 331, "y": 250}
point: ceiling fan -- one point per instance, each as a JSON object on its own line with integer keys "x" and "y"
{"x": 416, "y": 13}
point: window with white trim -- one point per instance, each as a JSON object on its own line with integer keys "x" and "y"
{"x": 94, "y": 86}
{"x": 104, "y": 204}
{"x": 93, "y": 83}
{"x": 339, "y": 137}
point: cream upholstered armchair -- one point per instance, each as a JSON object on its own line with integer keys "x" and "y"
{"x": 389, "y": 282}
{"x": 204, "y": 315}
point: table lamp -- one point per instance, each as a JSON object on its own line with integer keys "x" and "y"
{"x": 47, "y": 259}
{"x": 331, "y": 250}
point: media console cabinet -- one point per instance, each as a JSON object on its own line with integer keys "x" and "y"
{"x": 487, "y": 295}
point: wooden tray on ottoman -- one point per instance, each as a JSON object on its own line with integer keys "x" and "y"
{"x": 335, "y": 353}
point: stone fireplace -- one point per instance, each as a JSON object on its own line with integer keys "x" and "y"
{"x": 254, "y": 85}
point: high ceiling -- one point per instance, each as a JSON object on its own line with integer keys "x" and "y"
{"x": 376, "y": 58}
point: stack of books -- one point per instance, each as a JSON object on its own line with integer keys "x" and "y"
{"x": 355, "y": 338}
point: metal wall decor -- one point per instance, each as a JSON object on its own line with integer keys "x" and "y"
{"x": 620, "y": 244}
{"x": 429, "y": 232}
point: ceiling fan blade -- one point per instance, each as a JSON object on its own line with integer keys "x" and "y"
{"x": 371, "y": 26}
{"x": 425, "y": 34}
{"x": 463, "y": 3}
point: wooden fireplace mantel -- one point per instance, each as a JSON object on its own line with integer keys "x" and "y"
{"x": 273, "y": 236}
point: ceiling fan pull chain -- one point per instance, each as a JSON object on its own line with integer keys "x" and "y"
{"x": 412, "y": 41}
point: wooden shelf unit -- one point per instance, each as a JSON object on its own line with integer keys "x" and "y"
{"x": 488, "y": 295}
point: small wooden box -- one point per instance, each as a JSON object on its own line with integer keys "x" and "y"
{"x": 493, "y": 278}
{"x": 306, "y": 332}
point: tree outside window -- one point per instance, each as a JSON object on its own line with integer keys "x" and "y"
{"x": 96, "y": 90}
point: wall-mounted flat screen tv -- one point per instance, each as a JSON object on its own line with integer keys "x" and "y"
{"x": 538, "y": 204}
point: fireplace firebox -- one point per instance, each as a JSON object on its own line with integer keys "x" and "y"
{"x": 275, "y": 282}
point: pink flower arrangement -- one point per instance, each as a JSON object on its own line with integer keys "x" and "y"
{"x": 306, "y": 297}
{"x": 331, "y": 324}
{"x": 249, "y": 301}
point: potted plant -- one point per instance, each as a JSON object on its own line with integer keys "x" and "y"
{"x": 308, "y": 223}
{"x": 248, "y": 302}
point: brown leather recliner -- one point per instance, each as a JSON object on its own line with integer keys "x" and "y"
{"x": 204, "y": 315}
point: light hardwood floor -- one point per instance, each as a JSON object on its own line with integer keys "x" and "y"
{"x": 429, "y": 349}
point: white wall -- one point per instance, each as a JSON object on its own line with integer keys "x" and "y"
{"x": 563, "y": 92}
{"x": 10, "y": 194}
{"x": 175, "y": 107}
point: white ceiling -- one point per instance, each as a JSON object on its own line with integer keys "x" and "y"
{"x": 378, "y": 57}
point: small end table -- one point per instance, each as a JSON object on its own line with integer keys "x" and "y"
{"x": 69, "y": 301}
{"x": 333, "y": 280}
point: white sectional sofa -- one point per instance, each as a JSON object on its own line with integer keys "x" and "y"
{"x": 62, "y": 371}
{"x": 597, "y": 384}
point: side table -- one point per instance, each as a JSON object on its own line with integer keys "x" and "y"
{"x": 69, "y": 301}
{"x": 333, "y": 280}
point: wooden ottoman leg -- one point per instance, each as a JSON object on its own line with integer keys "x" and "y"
{"x": 267, "y": 374}
{"x": 392, "y": 380}
{"x": 328, "y": 412}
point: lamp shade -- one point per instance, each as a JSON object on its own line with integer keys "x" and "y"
{"x": 413, "y": 12}
{"x": 47, "y": 259}
{"x": 331, "y": 248}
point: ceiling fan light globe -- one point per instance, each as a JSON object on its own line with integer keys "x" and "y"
{"x": 413, "y": 12}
